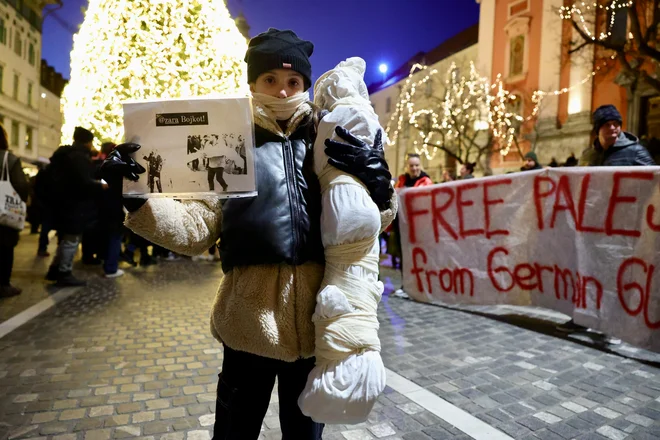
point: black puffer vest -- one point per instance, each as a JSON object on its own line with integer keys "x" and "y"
{"x": 282, "y": 223}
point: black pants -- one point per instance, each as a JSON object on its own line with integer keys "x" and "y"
{"x": 217, "y": 174}
{"x": 244, "y": 389}
{"x": 6, "y": 264}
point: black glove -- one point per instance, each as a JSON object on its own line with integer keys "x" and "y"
{"x": 120, "y": 164}
{"x": 365, "y": 163}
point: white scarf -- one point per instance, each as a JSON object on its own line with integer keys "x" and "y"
{"x": 282, "y": 108}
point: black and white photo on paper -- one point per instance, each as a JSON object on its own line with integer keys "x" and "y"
{"x": 192, "y": 147}
{"x": 217, "y": 156}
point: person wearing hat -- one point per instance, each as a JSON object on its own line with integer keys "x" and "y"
{"x": 531, "y": 162}
{"x": 612, "y": 146}
{"x": 270, "y": 245}
{"x": 74, "y": 196}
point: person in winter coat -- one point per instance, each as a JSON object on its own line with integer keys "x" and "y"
{"x": 612, "y": 146}
{"x": 270, "y": 245}
{"x": 467, "y": 170}
{"x": 531, "y": 162}
{"x": 414, "y": 177}
{"x": 76, "y": 194}
{"x": 111, "y": 221}
{"x": 9, "y": 236}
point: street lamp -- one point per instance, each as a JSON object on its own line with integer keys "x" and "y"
{"x": 383, "y": 69}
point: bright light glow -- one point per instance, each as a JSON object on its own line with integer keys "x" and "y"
{"x": 382, "y": 68}
{"x": 43, "y": 96}
{"x": 481, "y": 125}
{"x": 575, "y": 103}
{"x": 141, "y": 49}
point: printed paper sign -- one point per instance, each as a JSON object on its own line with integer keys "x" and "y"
{"x": 582, "y": 241}
{"x": 192, "y": 147}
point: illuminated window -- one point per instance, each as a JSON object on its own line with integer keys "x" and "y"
{"x": 29, "y": 138}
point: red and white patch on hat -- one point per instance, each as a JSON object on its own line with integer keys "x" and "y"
{"x": 286, "y": 65}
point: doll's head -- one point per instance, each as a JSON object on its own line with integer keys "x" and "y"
{"x": 345, "y": 81}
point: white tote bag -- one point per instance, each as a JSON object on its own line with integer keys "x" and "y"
{"x": 12, "y": 208}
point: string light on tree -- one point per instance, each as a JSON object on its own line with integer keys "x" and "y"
{"x": 576, "y": 9}
{"x": 140, "y": 49}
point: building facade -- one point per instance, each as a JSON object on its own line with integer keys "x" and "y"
{"x": 461, "y": 50}
{"x": 50, "y": 112}
{"x": 20, "y": 74}
{"x": 528, "y": 44}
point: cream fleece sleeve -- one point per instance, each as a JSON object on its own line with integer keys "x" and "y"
{"x": 188, "y": 227}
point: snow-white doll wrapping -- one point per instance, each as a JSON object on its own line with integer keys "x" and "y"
{"x": 349, "y": 374}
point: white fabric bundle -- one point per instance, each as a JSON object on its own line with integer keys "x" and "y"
{"x": 349, "y": 373}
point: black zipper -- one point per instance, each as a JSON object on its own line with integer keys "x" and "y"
{"x": 295, "y": 203}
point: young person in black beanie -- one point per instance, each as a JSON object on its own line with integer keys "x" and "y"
{"x": 270, "y": 245}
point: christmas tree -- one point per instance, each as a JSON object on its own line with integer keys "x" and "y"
{"x": 145, "y": 49}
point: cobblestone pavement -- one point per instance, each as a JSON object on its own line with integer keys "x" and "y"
{"x": 132, "y": 357}
{"x": 28, "y": 274}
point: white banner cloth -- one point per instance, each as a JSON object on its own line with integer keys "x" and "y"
{"x": 582, "y": 241}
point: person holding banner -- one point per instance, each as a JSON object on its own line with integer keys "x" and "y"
{"x": 271, "y": 249}
{"x": 467, "y": 170}
{"x": 414, "y": 177}
{"x": 612, "y": 147}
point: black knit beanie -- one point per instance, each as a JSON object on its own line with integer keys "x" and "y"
{"x": 604, "y": 114}
{"x": 82, "y": 135}
{"x": 276, "y": 49}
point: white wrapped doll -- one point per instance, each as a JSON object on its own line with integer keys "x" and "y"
{"x": 349, "y": 373}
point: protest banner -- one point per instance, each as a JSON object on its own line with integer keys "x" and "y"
{"x": 582, "y": 241}
{"x": 192, "y": 147}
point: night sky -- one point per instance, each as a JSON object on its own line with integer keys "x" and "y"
{"x": 380, "y": 31}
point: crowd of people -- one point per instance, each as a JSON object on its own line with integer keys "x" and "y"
{"x": 69, "y": 196}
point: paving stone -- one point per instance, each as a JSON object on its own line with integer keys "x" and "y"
{"x": 85, "y": 425}
{"x": 173, "y": 413}
{"x": 145, "y": 416}
{"x": 44, "y": 417}
{"x": 98, "y": 434}
{"x": 611, "y": 433}
{"x": 606, "y": 412}
{"x": 199, "y": 435}
{"x": 73, "y": 414}
{"x": 357, "y": 434}
{"x": 118, "y": 420}
{"x": 574, "y": 407}
{"x": 547, "y": 417}
{"x": 97, "y": 411}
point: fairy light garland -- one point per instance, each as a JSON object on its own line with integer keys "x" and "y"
{"x": 473, "y": 95}
{"x": 576, "y": 9}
